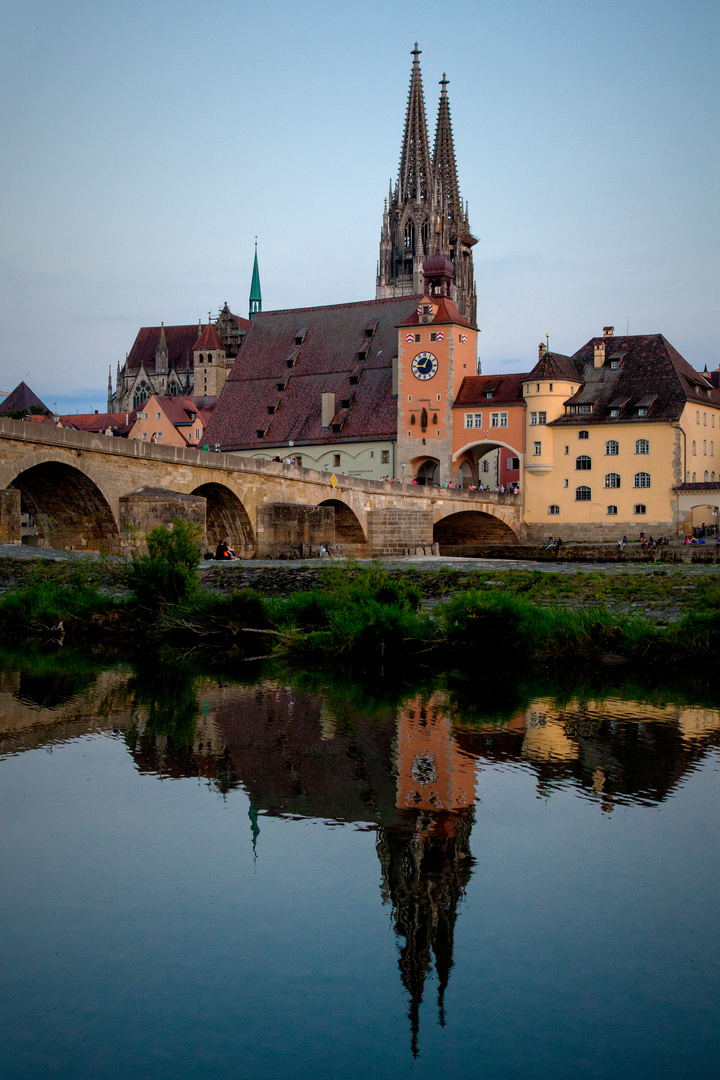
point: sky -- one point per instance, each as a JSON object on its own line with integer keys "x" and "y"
{"x": 146, "y": 145}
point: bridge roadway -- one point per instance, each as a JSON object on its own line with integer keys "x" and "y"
{"x": 80, "y": 489}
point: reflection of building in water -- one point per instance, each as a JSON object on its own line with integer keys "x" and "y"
{"x": 425, "y": 859}
{"x": 616, "y": 750}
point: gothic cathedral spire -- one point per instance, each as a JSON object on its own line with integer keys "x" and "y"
{"x": 424, "y": 205}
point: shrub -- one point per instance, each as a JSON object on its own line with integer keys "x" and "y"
{"x": 168, "y": 573}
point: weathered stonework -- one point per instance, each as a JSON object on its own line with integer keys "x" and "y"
{"x": 147, "y": 508}
{"x": 392, "y": 532}
{"x": 287, "y": 530}
{"x": 10, "y": 516}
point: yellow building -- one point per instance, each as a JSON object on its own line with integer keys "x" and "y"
{"x": 620, "y": 439}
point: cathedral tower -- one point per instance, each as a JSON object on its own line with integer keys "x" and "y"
{"x": 426, "y": 199}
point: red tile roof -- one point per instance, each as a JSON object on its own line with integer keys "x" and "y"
{"x": 180, "y": 342}
{"x": 333, "y": 340}
{"x": 446, "y": 313}
{"x": 208, "y": 339}
{"x": 506, "y": 390}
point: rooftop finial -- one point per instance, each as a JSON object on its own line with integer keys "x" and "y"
{"x": 415, "y": 52}
{"x": 444, "y": 82}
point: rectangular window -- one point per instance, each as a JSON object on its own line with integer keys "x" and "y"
{"x": 197, "y": 432}
{"x": 336, "y": 459}
{"x": 158, "y": 435}
{"x": 512, "y": 463}
{"x": 417, "y": 337}
{"x": 478, "y": 419}
{"x": 158, "y": 416}
{"x": 433, "y": 337}
{"x": 144, "y": 434}
{"x": 537, "y": 449}
{"x": 533, "y": 419}
{"x": 385, "y": 457}
{"x": 584, "y": 408}
{"x": 498, "y": 419}
{"x": 469, "y": 420}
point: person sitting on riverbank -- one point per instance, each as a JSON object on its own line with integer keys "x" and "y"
{"x": 550, "y": 544}
{"x": 223, "y": 552}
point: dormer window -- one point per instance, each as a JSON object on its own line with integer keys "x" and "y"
{"x": 489, "y": 394}
{"x": 345, "y": 403}
{"x": 614, "y": 412}
{"x": 427, "y": 309}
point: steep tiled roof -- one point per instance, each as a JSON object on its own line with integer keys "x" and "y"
{"x": 22, "y": 397}
{"x": 446, "y": 313}
{"x": 309, "y": 352}
{"x": 505, "y": 389}
{"x": 180, "y": 342}
{"x": 650, "y": 374}
{"x": 208, "y": 339}
{"x": 554, "y": 366}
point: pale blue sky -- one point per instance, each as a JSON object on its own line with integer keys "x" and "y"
{"x": 146, "y": 144}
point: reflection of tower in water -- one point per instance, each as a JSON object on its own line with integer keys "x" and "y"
{"x": 426, "y": 861}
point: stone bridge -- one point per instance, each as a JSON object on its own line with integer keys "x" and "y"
{"x": 81, "y": 491}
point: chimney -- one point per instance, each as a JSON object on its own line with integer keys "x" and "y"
{"x": 599, "y": 354}
{"x": 542, "y": 349}
{"x": 328, "y": 409}
{"x": 608, "y": 331}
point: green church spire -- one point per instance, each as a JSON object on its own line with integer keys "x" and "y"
{"x": 255, "y": 294}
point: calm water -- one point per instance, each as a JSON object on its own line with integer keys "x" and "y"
{"x": 201, "y": 879}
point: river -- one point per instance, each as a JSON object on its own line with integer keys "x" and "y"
{"x": 281, "y": 878}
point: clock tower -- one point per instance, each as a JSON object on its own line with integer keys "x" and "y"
{"x": 437, "y": 347}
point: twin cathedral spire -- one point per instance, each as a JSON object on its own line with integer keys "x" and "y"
{"x": 424, "y": 211}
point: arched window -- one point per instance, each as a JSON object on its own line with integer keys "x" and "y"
{"x": 641, "y": 480}
{"x": 611, "y": 448}
{"x": 612, "y": 510}
{"x": 583, "y": 434}
{"x": 705, "y": 478}
{"x": 554, "y": 509}
{"x": 583, "y": 494}
{"x": 200, "y": 359}
{"x": 639, "y": 508}
{"x": 687, "y": 477}
{"x": 583, "y": 462}
{"x": 693, "y": 479}
{"x": 642, "y": 446}
{"x": 612, "y": 480}
{"x": 410, "y": 237}
{"x": 712, "y": 477}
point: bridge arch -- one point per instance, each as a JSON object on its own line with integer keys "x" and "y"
{"x": 348, "y": 529}
{"x": 66, "y": 504}
{"x": 226, "y": 518}
{"x": 471, "y": 528}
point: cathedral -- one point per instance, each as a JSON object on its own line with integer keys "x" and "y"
{"x": 425, "y": 206}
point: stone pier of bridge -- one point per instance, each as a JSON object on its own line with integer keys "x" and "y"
{"x": 77, "y": 490}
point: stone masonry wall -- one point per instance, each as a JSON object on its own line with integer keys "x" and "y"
{"x": 144, "y": 510}
{"x": 393, "y": 532}
{"x": 10, "y": 516}
{"x": 290, "y": 530}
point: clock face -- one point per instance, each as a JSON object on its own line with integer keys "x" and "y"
{"x": 424, "y": 366}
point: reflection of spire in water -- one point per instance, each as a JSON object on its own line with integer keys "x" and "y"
{"x": 425, "y": 870}
{"x": 254, "y": 828}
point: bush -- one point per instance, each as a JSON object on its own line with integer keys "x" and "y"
{"x": 168, "y": 573}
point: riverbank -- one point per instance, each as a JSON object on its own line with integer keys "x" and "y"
{"x": 371, "y": 616}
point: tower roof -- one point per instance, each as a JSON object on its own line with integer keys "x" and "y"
{"x": 255, "y": 294}
{"x": 208, "y": 339}
{"x": 415, "y": 174}
{"x": 22, "y": 397}
{"x": 444, "y": 159}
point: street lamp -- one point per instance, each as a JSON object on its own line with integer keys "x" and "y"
{"x": 402, "y": 466}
